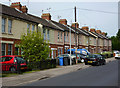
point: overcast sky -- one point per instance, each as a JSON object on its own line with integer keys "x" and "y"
{"x": 100, "y": 15}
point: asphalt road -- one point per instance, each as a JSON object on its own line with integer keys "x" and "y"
{"x": 105, "y": 75}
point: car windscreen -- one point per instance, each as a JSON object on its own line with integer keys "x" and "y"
{"x": 20, "y": 59}
{"x": 92, "y": 56}
{"x": 3, "y": 59}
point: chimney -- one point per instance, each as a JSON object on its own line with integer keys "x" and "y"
{"x": 24, "y": 9}
{"x": 77, "y": 25}
{"x": 46, "y": 16}
{"x": 98, "y": 31}
{"x": 103, "y": 33}
{"x": 63, "y": 21}
{"x": 92, "y": 30}
{"x": 85, "y": 28}
{"x": 16, "y": 5}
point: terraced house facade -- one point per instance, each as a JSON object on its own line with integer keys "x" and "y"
{"x": 15, "y": 21}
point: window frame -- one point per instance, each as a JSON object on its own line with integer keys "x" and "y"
{"x": 10, "y": 49}
{"x": 3, "y": 25}
{"x": 4, "y": 50}
{"x": 9, "y": 26}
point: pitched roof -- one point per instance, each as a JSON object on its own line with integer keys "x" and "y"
{"x": 89, "y": 33}
{"x": 6, "y": 10}
{"x": 44, "y": 22}
{"x": 65, "y": 27}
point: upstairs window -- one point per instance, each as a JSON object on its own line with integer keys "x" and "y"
{"x": 48, "y": 34}
{"x": 9, "y": 26}
{"x": 3, "y": 25}
{"x": 61, "y": 36}
{"x": 58, "y": 35}
{"x": 44, "y": 34}
{"x": 28, "y": 27}
{"x": 65, "y": 36}
{"x": 33, "y": 27}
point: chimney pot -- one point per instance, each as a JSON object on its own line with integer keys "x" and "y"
{"x": 16, "y": 5}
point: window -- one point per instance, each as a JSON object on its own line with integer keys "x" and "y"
{"x": 3, "y": 49}
{"x": 48, "y": 34}
{"x": 3, "y": 25}
{"x": 61, "y": 36}
{"x": 65, "y": 36}
{"x": 9, "y": 49}
{"x": 74, "y": 38}
{"x": 9, "y": 26}
{"x": 61, "y": 50}
{"x": 33, "y": 27}
{"x": 44, "y": 34}
{"x": 95, "y": 41}
{"x": 58, "y": 35}
{"x": 28, "y": 27}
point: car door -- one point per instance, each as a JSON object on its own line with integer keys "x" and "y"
{"x": 6, "y": 63}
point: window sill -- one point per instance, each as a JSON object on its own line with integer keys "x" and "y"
{"x": 10, "y": 34}
{"x": 4, "y": 33}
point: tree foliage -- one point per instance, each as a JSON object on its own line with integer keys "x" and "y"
{"x": 116, "y": 41}
{"x": 33, "y": 46}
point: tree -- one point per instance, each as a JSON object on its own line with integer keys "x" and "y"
{"x": 33, "y": 46}
{"x": 118, "y": 34}
{"x": 116, "y": 41}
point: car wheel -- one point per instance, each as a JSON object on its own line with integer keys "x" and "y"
{"x": 86, "y": 63}
{"x": 98, "y": 64}
{"x": 104, "y": 63}
{"x": 12, "y": 69}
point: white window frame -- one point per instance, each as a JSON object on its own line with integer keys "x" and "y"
{"x": 3, "y": 25}
{"x": 5, "y": 48}
{"x": 44, "y": 34}
{"x": 58, "y": 35}
{"x": 48, "y": 34}
{"x": 61, "y": 36}
{"x": 28, "y": 27}
{"x": 65, "y": 36}
{"x": 33, "y": 27}
{"x": 9, "y": 26}
{"x": 10, "y": 49}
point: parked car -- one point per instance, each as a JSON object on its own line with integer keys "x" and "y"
{"x": 73, "y": 58}
{"x": 95, "y": 59}
{"x": 117, "y": 55}
{"x": 80, "y": 57}
{"x": 10, "y": 63}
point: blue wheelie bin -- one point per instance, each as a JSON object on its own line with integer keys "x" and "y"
{"x": 61, "y": 61}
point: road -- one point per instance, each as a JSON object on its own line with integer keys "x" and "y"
{"x": 105, "y": 75}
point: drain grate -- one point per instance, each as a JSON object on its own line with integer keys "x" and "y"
{"x": 43, "y": 78}
{"x": 79, "y": 68}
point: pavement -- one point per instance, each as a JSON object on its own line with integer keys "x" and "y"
{"x": 39, "y": 75}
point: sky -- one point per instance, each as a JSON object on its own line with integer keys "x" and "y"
{"x": 101, "y": 15}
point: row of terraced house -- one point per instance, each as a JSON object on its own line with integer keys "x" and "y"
{"x": 15, "y": 20}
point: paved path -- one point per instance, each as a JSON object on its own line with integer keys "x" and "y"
{"x": 31, "y": 77}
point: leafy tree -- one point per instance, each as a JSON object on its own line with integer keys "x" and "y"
{"x": 33, "y": 46}
{"x": 118, "y": 34}
{"x": 116, "y": 41}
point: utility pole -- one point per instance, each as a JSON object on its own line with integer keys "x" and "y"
{"x": 75, "y": 34}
